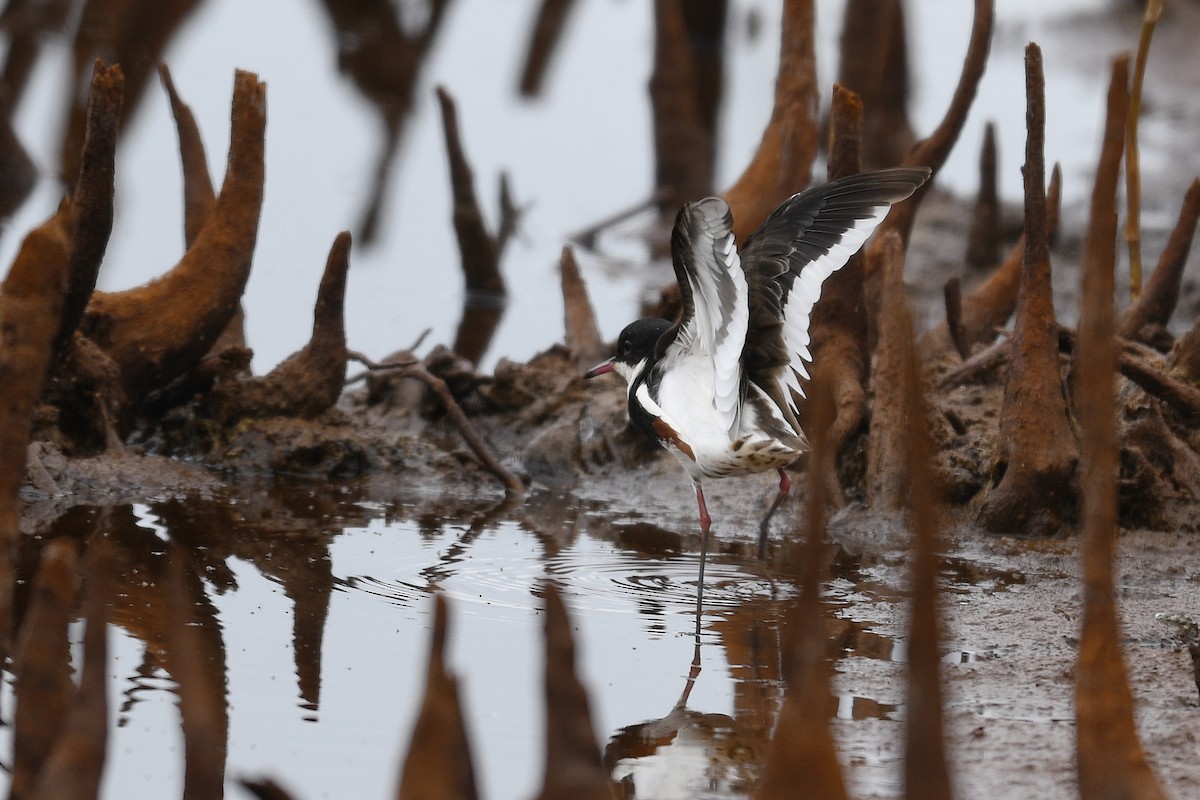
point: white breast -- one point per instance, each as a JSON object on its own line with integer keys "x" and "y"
{"x": 684, "y": 403}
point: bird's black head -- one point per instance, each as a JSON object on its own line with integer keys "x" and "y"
{"x": 634, "y": 346}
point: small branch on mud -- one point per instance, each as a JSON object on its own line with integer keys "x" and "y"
{"x": 978, "y": 365}
{"x": 373, "y": 366}
{"x": 1182, "y": 397}
{"x": 416, "y": 369}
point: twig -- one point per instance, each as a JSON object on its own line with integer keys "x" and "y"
{"x": 465, "y": 428}
{"x": 1133, "y": 191}
{"x": 587, "y": 236}
{"x": 510, "y": 216}
{"x": 415, "y": 369}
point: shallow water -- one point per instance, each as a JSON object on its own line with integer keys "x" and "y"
{"x": 322, "y": 628}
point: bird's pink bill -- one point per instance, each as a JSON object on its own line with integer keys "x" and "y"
{"x": 600, "y": 369}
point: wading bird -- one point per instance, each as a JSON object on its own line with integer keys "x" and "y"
{"x": 718, "y": 388}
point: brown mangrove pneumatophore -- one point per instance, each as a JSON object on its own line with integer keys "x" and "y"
{"x": 92, "y": 196}
{"x": 157, "y": 332}
{"x": 574, "y": 766}
{"x": 42, "y": 664}
{"x": 782, "y": 165}
{"x": 803, "y": 763}
{"x": 75, "y": 764}
{"x": 31, "y": 300}
{"x": 684, "y": 151}
{"x": 839, "y": 324}
{"x": 438, "y": 763}
{"x": 310, "y": 381}
{"x": 1036, "y": 451}
{"x": 1109, "y": 757}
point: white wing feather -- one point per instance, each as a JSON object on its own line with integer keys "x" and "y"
{"x": 806, "y": 291}
{"x": 718, "y": 325}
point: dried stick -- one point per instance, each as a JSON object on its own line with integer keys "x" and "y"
{"x": 1133, "y": 173}
{"x": 989, "y": 305}
{"x": 952, "y": 292}
{"x": 888, "y": 476}
{"x": 547, "y": 33}
{"x": 415, "y": 369}
{"x": 926, "y": 768}
{"x": 309, "y": 382}
{"x": 199, "y": 197}
{"x": 933, "y": 150}
{"x": 583, "y": 337}
{"x": 873, "y": 63}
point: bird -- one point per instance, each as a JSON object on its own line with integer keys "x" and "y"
{"x": 718, "y": 388}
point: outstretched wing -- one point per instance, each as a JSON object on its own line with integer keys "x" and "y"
{"x": 808, "y": 238}
{"x": 712, "y": 286}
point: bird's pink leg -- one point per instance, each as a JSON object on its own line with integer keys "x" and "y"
{"x": 705, "y": 524}
{"x": 785, "y": 486}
